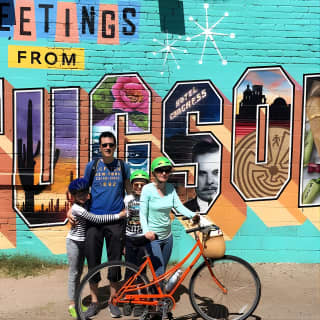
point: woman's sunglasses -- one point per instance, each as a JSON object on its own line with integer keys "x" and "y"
{"x": 163, "y": 169}
{"x": 111, "y": 145}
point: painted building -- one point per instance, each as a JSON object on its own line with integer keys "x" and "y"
{"x": 228, "y": 90}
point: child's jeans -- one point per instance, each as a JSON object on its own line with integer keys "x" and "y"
{"x": 75, "y": 253}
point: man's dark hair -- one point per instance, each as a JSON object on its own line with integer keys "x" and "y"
{"x": 107, "y": 134}
{"x": 203, "y": 147}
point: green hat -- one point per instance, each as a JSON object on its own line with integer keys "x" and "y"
{"x": 160, "y": 162}
{"x": 139, "y": 174}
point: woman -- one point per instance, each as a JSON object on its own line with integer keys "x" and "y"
{"x": 156, "y": 202}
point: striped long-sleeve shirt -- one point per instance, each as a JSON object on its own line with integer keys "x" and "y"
{"x": 78, "y": 231}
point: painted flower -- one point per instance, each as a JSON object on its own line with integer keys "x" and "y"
{"x": 130, "y": 95}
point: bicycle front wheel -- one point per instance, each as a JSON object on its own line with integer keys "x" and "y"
{"x": 235, "y": 294}
{"x": 119, "y": 270}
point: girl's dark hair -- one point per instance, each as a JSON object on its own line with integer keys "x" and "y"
{"x": 78, "y": 186}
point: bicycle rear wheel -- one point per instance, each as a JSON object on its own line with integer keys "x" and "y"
{"x": 242, "y": 286}
{"x": 124, "y": 270}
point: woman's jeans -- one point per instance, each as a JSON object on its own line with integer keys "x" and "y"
{"x": 160, "y": 252}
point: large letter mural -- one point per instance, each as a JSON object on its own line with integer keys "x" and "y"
{"x": 53, "y": 142}
{"x": 202, "y": 151}
{"x": 262, "y": 137}
{"x": 309, "y": 195}
{"x": 122, "y": 95}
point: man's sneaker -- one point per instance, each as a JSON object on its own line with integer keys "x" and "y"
{"x": 114, "y": 311}
{"x": 138, "y": 310}
{"x": 92, "y": 310}
{"x": 72, "y": 312}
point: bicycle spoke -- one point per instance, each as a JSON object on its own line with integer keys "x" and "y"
{"x": 124, "y": 272}
{"x": 240, "y": 281}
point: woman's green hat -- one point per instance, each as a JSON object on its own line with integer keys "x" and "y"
{"x": 160, "y": 162}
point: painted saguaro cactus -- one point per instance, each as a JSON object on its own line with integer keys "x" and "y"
{"x": 26, "y": 164}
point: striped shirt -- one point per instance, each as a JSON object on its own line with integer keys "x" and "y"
{"x": 132, "y": 204}
{"x": 78, "y": 231}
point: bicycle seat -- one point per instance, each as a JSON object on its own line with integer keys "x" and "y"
{"x": 140, "y": 240}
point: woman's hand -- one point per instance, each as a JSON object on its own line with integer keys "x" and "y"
{"x": 196, "y": 219}
{"x": 71, "y": 218}
{"x": 150, "y": 235}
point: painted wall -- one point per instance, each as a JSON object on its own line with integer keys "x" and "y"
{"x": 168, "y": 77}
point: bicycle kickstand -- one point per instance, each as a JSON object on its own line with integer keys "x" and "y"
{"x": 169, "y": 316}
{"x": 166, "y": 314}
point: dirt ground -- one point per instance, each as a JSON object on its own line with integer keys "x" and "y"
{"x": 289, "y": 292}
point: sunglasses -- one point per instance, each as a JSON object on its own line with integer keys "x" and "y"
{"x": 111, "y": 145}
{"x": 164, "y": 169}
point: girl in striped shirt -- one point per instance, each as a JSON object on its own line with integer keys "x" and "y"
{"x": 79, "y": 194}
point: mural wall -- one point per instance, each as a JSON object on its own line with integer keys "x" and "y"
{"x": 228, "y": 90}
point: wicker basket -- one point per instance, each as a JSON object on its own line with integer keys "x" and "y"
{"x": 213, "y": 244}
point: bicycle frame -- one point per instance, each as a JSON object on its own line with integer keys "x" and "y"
{"x": 123, "y": 295}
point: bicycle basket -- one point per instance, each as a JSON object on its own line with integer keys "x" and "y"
{"x": 213, "y": 244}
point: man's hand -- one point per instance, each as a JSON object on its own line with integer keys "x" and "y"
{"x": 150, "y": 235}
{"x": 122, "y": 214}
{"x": 71, "y": 218}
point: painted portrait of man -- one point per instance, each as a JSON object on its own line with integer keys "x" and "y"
{"x": 207, "y": 155}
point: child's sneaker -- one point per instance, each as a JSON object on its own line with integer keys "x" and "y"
{"x": 72, "y": 312}
{"x": 138, "y": 310}
{"x": 84, "y": 308}
{"x": 127, "y": 309}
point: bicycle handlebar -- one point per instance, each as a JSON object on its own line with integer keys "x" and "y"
{"x": 201, "y": 228}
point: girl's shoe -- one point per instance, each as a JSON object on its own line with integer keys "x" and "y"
{"x": 72, "y": 312}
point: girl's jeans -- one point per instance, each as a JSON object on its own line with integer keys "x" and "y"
{"x": 75, "y": 253}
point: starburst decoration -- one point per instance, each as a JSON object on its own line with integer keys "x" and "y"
{"x": 208, "y": 33}
{"x": 168, "y": 48}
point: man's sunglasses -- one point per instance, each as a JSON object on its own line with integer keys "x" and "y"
{"x": 163, "y": 169}
{"x": 111, "y": 145}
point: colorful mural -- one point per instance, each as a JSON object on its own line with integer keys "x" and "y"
{"x": 309, "y": 181}
{"x": 200, "y": 150}
{"x": 262, "y": 133}
{"x": 228, "y": 90}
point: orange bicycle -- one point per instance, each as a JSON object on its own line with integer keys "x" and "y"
{"x": 224, "y": 287}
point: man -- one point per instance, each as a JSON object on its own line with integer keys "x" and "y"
{"x": 207, "y": 155}
{"x": 107, "y": 193}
